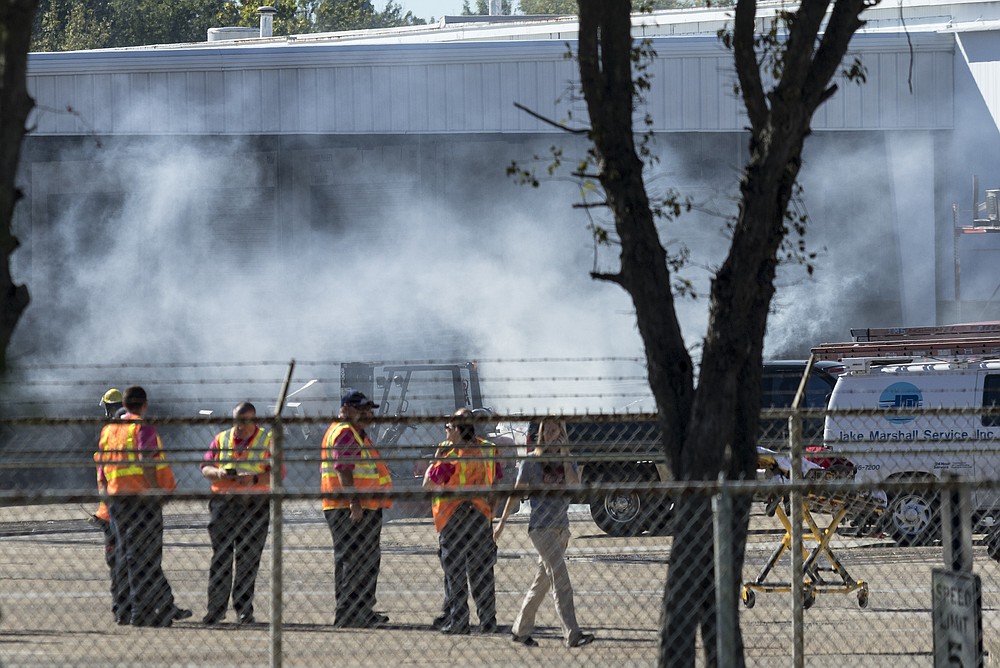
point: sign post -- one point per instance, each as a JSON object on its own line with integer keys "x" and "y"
{"x": 956, "y": 590}
{"x": 958, "y": 619}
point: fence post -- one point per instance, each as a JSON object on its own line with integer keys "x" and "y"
{"x": 795, "y": 500}
{"x": 725, "y": 580}
{"x": 277, "y": 545}
{"x": 956, "y": 525}
{"x": 956, "y": 592}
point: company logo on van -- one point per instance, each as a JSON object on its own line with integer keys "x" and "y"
{"x": 901, "y": 395}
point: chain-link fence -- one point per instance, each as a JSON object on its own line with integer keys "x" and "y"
{"x": 867, "y": 510}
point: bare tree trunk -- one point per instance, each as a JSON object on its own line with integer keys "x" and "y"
{"x": 16, "y": 20}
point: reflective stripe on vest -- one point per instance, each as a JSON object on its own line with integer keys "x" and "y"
{"x": 256, "y": 451}
{"x": 120, "y": 458}
{"x": 479, "y": 472}
{"x": 164, "y": 474}
{"x": 254, "y": 463}
{"x": 370, "y": 472}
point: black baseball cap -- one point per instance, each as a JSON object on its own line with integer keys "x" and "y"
{"x": 356, "y": 399}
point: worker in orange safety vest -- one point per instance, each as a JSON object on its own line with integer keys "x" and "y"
{"x": 133, "y": 466}
{"x": 111, "y": 401}
{"x": 465, "y": 537}
{"x": 350, "y": 463}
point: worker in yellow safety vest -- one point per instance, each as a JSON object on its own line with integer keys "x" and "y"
{"x": 350, "y": 466}
{"x": 238, "y": 465}
{"x": 133, "y": 466}
{"x": 463, "y": 523}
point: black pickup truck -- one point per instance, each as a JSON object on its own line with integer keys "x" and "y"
{"x": 631, "y": 450}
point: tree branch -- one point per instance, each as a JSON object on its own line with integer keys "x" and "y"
{"x": 555, "y": 124}
{"x": 799, "y": 49}
{"x": 610, "y": 278}
{"x": 844, "y": 22}
{"x": 587, "y": 50}
{"x": 827, "y": 94}
{"x": 747, "y": 67}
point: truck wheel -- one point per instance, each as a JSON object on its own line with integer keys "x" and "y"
{"x": 913, "y": 518}
{"x": 619, "y": 513}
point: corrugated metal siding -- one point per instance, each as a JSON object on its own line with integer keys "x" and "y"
{"x": 981, "y": 52}
{"x": 987, "y": 77}
{"x": 437, "y": 88}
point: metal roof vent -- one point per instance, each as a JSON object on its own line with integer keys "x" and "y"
{"x": 231, "y": 32}
{"x": 266, "y": 14}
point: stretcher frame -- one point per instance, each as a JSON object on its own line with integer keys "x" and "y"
{"x": 813, "y": 582}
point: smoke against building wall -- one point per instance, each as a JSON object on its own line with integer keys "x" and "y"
{"x": 169, "y": 250}
{"x": 851, "y": 231}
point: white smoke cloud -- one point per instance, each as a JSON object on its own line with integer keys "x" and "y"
{"x": 144, "y": 273}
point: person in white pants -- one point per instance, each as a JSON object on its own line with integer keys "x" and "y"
{"x": 549, "y": 464}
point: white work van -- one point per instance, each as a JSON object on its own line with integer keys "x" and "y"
{"x": 888, "y": 443}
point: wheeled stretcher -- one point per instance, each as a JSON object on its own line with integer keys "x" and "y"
{"x": 822, "y": 571}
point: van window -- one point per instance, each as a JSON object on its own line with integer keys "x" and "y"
{"x": 991, "y": 399}
{"x": 778, "y": 390}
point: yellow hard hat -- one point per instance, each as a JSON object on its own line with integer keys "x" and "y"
{"x": 112, "y": 396}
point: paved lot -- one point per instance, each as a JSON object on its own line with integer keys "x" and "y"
{"x": 55, "y": 602}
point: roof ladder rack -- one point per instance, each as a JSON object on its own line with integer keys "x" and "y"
{"x": 910, "y": 344}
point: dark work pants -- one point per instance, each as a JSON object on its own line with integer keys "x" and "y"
{"x": 138, "y": 530}
{"x": 121, "y": 614}
{"x": 467, "y": 557}
{"x": 237, "y": 527}
{"x": 357, "y": 558}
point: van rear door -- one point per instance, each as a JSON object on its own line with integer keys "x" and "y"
{"x": 988, "y": 443}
